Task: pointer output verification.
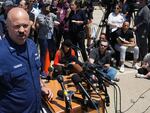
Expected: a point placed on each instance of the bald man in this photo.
(20, 86)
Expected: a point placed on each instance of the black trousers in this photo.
(78, 38)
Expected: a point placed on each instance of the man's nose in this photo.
(21, 29)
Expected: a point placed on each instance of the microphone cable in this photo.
(117, 91)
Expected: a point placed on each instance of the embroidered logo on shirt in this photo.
(17, 66)
(36, 56)
(11, 48)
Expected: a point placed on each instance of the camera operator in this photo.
(102, 57)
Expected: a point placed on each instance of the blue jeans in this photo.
(110, 72)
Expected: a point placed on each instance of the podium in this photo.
(57, 105)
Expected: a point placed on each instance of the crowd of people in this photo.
(61, 28)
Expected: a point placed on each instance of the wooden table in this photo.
(58, 104)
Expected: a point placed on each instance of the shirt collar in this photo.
(13, 46)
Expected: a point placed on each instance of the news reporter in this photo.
(20, 85)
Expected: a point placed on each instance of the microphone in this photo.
(90, 67)
(74, 98)
(77, 81)
(60, 79)
(68, 94)
(102, 77)
(89, 82)
(98, 71)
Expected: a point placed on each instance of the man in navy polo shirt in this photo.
(20, 86)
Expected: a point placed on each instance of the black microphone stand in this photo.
(68, 106)
(66, 98)
(90, 84)
(85, 100)
(101, 79)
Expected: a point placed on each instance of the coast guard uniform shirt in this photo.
(20, 90)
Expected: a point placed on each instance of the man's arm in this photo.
(132, 42)
(46, 91)
(122, 41)
(92, 55)
(91, 60)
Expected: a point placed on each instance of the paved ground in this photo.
(135, 92)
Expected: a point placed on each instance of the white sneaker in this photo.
(139, 75)
(122, 69)
(135, 66)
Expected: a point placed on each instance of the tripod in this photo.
(108, 9)
(103, 22)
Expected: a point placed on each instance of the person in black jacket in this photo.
(77, 20)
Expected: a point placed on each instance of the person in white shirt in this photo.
(116, 19)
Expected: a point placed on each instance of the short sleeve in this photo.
(93, 54)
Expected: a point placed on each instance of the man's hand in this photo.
(134, 28)
(47, 92)
(106, 66)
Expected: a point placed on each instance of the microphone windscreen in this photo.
(60, 78)
(76, 78)
(60, 94)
